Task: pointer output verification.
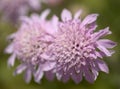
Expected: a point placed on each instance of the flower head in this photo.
(13, 9)
(29, 43)
(77, 48)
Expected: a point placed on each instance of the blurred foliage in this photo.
(109, 11)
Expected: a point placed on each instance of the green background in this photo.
(109, 11)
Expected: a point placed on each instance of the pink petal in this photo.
(11, 60)
(46, 57)
(38, 75)
(98, 54)
(20, 69)
(106, 43)
(77, 14)
(48, 66)
(89, 76)
(11, 36)
(47, 39)
(95, 73)
(101, 33)
(25, 19)
(55, 19)
(102, 65)
(59, 76)
(66, 15)
(44, 14)
(35, 4)
(28, 75)
(77, 77)
(34, 17)
(103, 49)
(89, 19)
(93, 56)
(9, 49)
(49, 75)
(65, 77)
(92, 28)
(55, 22)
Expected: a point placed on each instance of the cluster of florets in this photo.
(13, 9)
(67, 49)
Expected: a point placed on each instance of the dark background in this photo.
(109, 11)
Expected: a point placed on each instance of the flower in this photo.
(29, 43)
(78, 49)
(13, 9)
(70, 48)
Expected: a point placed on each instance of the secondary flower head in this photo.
(28, 46)
(77, 48)
(13, 9)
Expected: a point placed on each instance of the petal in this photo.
(65, 77)
(25, 20)
(11, 60)
(101, 33)
(47, 39)
(38, 75)
(77, 77)
(28, 75)
(77, 14)
(104, 50)
(66, 15)
(49, 75)
(44, 14)
(102, 66)
(35, 4)
(59, 74)
(48, 66)
(11, 36)
(89, 19)
(99, 54)
(94, 66)
(89, 76)
(46, 57)
(20, 69)
(106, 43)
(92, 27)
(95, 73)
(93, 56)
(34, 17)
(9, 49)
(55, 21)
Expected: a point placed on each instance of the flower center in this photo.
(28, 45)
(72, 47)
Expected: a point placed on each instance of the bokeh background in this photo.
(109, 11)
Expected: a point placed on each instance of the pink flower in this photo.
(70, 48)
(29, 43)
(13, 9)
(77, 48)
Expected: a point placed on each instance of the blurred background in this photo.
(109, 11)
